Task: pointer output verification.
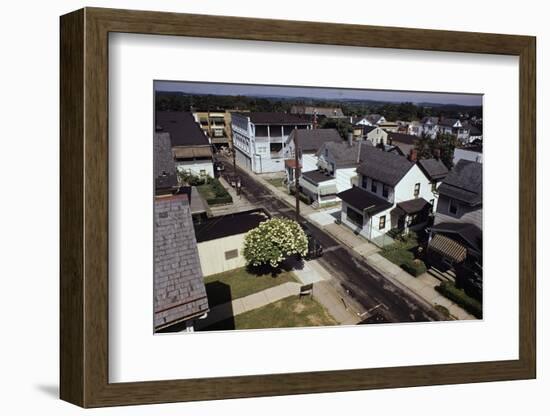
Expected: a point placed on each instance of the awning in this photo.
(413, 206)
(191, 152)
(448, 248)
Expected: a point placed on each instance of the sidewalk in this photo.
(422, 286)
(240, 203)
(256, 300)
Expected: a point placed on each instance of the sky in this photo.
(320, 93)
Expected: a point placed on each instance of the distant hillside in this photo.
(179, 101)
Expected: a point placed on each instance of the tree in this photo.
(441, 147)
(273, 241)
(343, 126)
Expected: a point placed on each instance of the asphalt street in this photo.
(381, 301)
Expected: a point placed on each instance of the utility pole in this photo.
(297, 174)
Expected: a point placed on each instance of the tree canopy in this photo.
(273, 241)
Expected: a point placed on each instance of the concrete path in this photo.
(328, 296)
(256, 300)
(324, 217)
(240, 203)
(358, 244)
(310, 273)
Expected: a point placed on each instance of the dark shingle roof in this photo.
(312, 140)
(384, 167)
(433, 168)
(277, 118)
(464, 182)
(183, 129)
(343, 154)
(402, 138)
(316, 177)
(363, 200)
(179, 293)
(374, 118)
(448, 122)
(163, 163)
(232, 224)
(368, 129)
(412, 206)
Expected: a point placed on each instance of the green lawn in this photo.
(214, 193)
(238, 283)
(402, 252)
(277, 182)
(289, 312)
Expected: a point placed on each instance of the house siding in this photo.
(466, 214)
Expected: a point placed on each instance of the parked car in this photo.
(314, 247)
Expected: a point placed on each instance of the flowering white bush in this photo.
(273, 241)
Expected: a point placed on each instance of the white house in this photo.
(309, 142)
(391, 193)
(370, 120)
(429, 126)
(453, 126)
(336, 171)
(259, 138)
(376, 135)
(191, 147)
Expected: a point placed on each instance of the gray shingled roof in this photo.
(316, 177)
(469, 232)
(464, 182)
(384, 167)
(433, 168)
(183, 129)
(448, 122)
(343, 154)
(179, 291)
(163, 163)
(277, 118)
(373, 118)
(363, 200)
(311, 140)
(402, 138)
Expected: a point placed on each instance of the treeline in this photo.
(178, 101)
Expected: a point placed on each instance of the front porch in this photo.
(319, 187)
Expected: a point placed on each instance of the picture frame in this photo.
(84, 219)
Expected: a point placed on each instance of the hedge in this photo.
(414, 267)
(458, 296)
(218, 200)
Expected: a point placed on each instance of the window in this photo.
(382, 222)
(434, 186)
(354, 216)
(231, 254)
(385, 191)
(416, 190)
(453, 207)
(373, 186)
(326, 152)
(364, 182)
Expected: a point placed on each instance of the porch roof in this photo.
(447, 247)
(317, 177)
(363, 200)
(412, 206)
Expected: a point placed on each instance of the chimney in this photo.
(350, 139)
(412, 155)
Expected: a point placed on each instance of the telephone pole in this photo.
(297, 174)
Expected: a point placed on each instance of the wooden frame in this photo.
(84, 207)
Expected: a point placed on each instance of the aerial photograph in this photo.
(297, 206)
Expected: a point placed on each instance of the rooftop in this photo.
(468, 232)
(277, 118)
(433, 168)
(464, 182)
(412, 206)
(363, 200)
(163, 163)
(385, 167)
(181, 126)
(179, 291)
(316, 177)
(231, 224)
(311, 140)
(343, 154)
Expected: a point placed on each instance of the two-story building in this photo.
(191, 147)
(259, 138)
(454, 127)
(375, 134)
(336, 170)
(309, 142)
(391, 193)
